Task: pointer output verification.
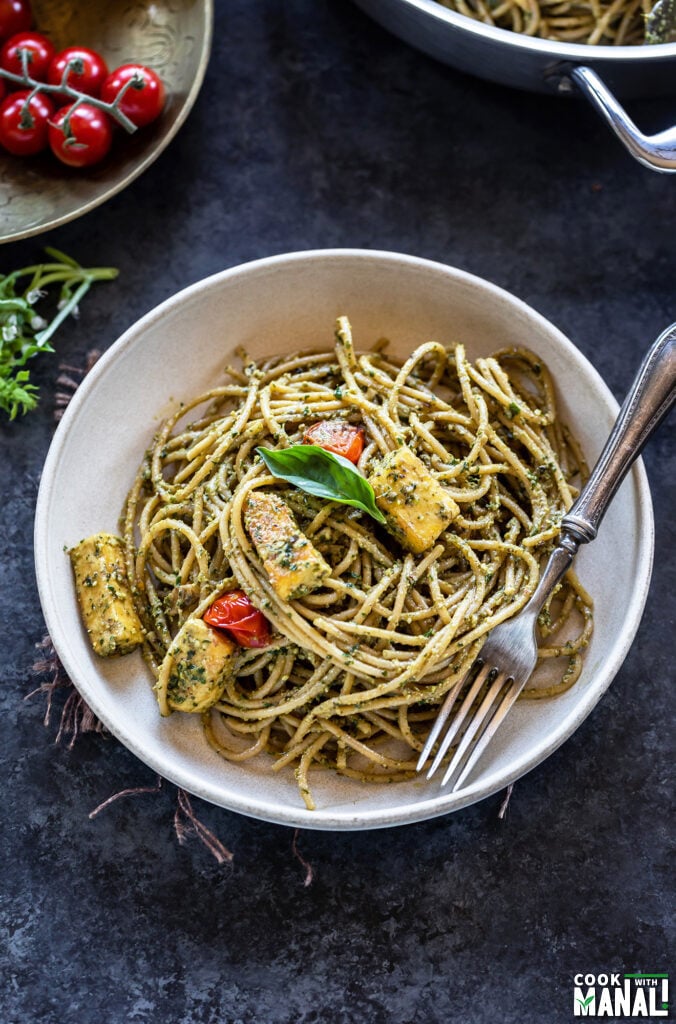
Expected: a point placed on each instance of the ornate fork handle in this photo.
(649, 400)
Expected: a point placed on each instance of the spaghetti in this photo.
(610, 23)
(356, 670)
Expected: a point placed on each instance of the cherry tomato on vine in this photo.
(25, 132)
(89, 79)
(84, 139)
(15, 16)
(235, 613)
(142, 102)
(40, 53)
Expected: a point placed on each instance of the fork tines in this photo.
(483, 697)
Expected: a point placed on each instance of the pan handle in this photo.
(658, 152)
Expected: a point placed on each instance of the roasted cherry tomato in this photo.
(24, 130)
(143, 100)
(335, 436)
(40, 53)
(85, 141)
(88, 69)
(15, 16)
(235, 613)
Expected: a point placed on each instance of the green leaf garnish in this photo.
(314, 470)
(660, 25)
(24, 333)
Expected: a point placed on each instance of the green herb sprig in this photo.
(24, 333)
(660, 26)
(314, 470)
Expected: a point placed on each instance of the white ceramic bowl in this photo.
(281, 304)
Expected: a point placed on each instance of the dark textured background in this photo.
(314, 129)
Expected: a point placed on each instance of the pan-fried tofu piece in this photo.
(293, 564)
(104, 595)
(202, 659)
(416, 506)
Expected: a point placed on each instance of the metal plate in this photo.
(171, 36)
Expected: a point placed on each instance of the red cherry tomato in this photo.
(40, 53)
(15, 16)
(25, 130)
(3, 89)
(88, 140)
(143, 100)
(89, 79)
(235, 613)
(338, 437)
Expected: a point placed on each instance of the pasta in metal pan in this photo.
(356, 618)
(610, 23)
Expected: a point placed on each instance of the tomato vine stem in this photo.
(63, 88)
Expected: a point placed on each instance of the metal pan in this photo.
(600, 73)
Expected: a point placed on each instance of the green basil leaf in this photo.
(314, 470)
(660, 26)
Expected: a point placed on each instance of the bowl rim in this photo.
(328, 819)
(149, 158)
(581, 53)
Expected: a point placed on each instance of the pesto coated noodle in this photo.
(595, 22)
(358, 666)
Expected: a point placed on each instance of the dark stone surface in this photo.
(314, 129)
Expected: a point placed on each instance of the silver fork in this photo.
(509, 655)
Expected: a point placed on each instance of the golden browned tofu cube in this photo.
(104, 595)
(293, 564)
(202, 660)
(416, 506)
